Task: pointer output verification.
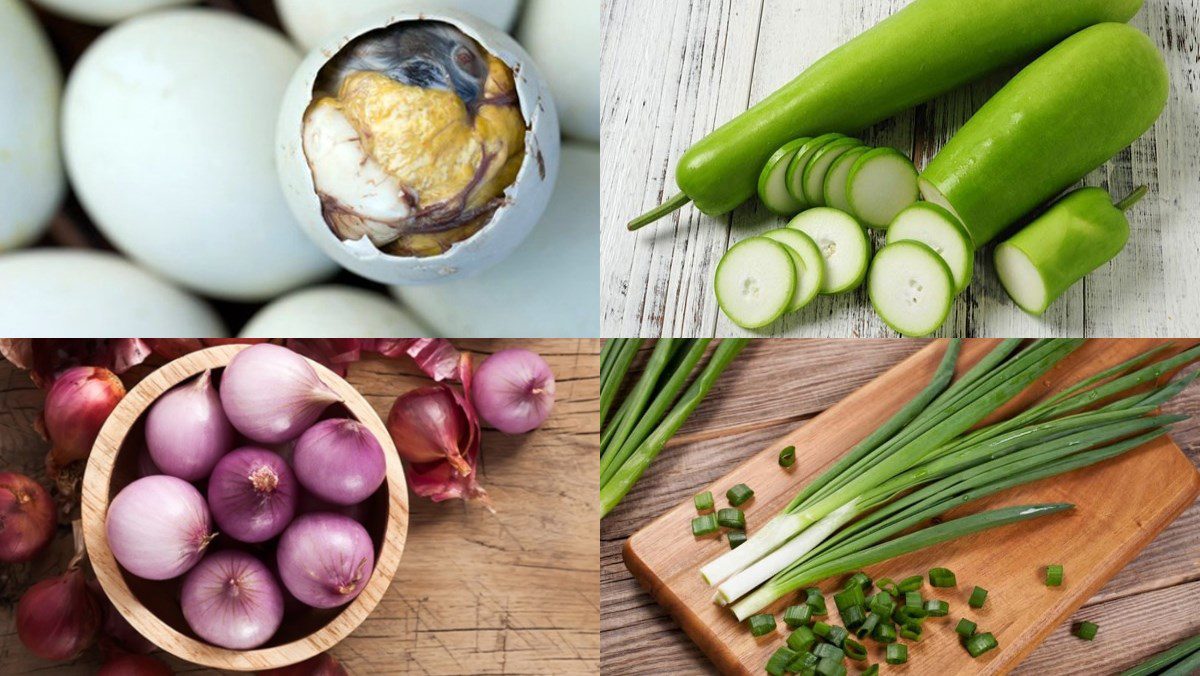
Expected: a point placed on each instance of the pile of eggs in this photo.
(182, 137)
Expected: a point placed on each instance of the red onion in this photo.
(231, 600)
(27, 518)
(325, 559)
(272, 394)
(321, 665)
(58, 618)
(158, 527)
(339, 461)
(118, 636)
(514, 391)
(252, 494)
(134, 665)
(186, 430)
(76, 407)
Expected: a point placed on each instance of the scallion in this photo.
(883, 604)
(739, 494)
(911, 631)
(780, 659)
(761, 625)
(787, 457)
(913, 599)
(829, 650)
(801, 639)
(704, 501)
(853, 617)
(978, 596)
(705, 524)
(731, 517)
(855, 650)
(851, 596)
(1086, 630)
(804, 663)
(822, 629)
(1054, 575)
(736, 538)
(965, 628)
(884, 632)
(872, 670)
(896, 653)
(797, 616)
(980, 644)
(937, 608)
(861, 579)
(815, 600)
(837, 635)
(868, 626)
(910, 584)
(830, 667)
(942, 577)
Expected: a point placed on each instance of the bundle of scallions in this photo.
(653, 410)
(932, 457)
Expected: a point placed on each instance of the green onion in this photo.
(780, 659)
(864, 630)
(797, 616)
(736, 538)
(978, 596)
(801, 639)
(739, 494)
(896, 653)
(635, 403)
(847, 598)
(887, 584)
(911, 631)
(704, 501)
(731, 517)
(830, 667)
(822, 629)
(883, 604)
(837, 635)
(815, 600)
(787, 457)
(861, 580)
(704, 525)
(913, 599)
(980, 644)
(942, 577)
(937, 608)
(855, 650)
(872, 670)
(1086, 630)
(910, 584)
(761, 625)
(853, 617)
(616, 374)
(829, 650)
(965, 628)
(1054, 575)
(1173, 656)
(804, 663)
(884, 633)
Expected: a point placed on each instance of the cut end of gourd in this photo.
(930, 193)
(755, 282)
(1021, 279)
(882, 183)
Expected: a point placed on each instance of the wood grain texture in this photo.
(639, 637)
(674, 70)
(509, 593)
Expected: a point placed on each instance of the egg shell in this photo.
(31, 175)
(549, 288)
(105, 12)
(563, 36)
(70, 293)
(168, 126)
(310, 22)
(526, 198)
(333, 312)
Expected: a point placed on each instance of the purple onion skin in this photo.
(513, 391)
(272, 394)
(187, 431)
(252, 494)
(339, 461)
(158, 527)
(231, 600)
(325, 559)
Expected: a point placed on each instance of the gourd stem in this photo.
(1133, 198)
(658, 212)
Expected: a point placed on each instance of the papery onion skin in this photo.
(232, 600)
(77, 405)
(428, 425)
(340, 461)
(134, 665)
(325, 559)
(187, 431)
(27, 518)
(58, 618)
(158, 527)
(272, 394)
(514, 391)
(321, 665)
(252, 494)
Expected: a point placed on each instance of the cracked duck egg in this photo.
(419, 148)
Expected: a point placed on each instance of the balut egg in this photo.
(168, 126)
(309, 22)
(31, 174)
(418, 148)
(333, 312)
(86, 294)
(105, 12)
(563, 36)
(549, 288)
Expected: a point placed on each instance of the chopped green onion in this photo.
(965, 628)
(887, 584)
(1054, 575)
(829, 650)
(884, 633)
(872, 670)
(913, 599)
(909, 584)
(797, 616)
(804, 663)
(801, 639)
(837, 635)
(861, 579)
(739, 494)
(868, 626)
(831, 667)
(1086, 630)
(849, 597)
(978, 596)
(937, 608)
(906, 614)
(732, 517)
(704, 501)
(911, 631)
(822, 629)
(780, 659)
(980, 644)
(942, 577)
(853, 617)
(883, 604)
(736, 537)
(761, 625)
(816, 600)
(896, 653)
(704, 525)
(855, 650)
(787, 457)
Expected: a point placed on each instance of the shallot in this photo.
(230, 599)
(514, 391)
(186, 430)
(325, 559)
(26, 518)
(339, 461)
(158, 527)
(58, 618)
(252, 494)
(77, 405)
(272, 394)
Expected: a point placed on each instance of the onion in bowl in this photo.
(325, 559)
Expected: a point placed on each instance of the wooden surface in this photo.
(509, 593)
(744, 416)
(674, 70)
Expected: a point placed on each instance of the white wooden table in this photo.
(674, 70)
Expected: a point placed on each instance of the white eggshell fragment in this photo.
(525, 199)
(105, 12)
(86, 294)
(550, 288)
(168, 132)
(31, 174)
(310, 22)
(563, 37)
(333, 312)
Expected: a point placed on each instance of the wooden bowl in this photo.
(153, 607)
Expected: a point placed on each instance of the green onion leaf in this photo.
(822, 629)
(965, 628)
(937, 608)
(736, 537)
(831, 667)
(837, 635)
(739, 494)
(883, 604)
(978, 596)
(816, 600)
(855, 650)
(787, 457)
(1086, 630)
(801, 639)
(704, 525)
(704, 501)
(829, 650)
(804, 663)
(731, 517)
(897, 653)
(861, 579)
(761, 625)
(872, 670)
(911, 631)
(980, 644)
(797, 616)
(850, 597)
(909, 584)
(1054, 575)
(780, 659)
(884, 633)
(942, 577)
(853, 617)
(868, 626)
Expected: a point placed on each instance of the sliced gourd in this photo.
(938, 229)
(836, 177)
(772, 182)
(818, 167)
(882, 183)
(755, 282)
(810, 265)
(911, 288)
(795, 170)
(843, 244)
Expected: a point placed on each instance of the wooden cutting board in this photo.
(1121, 504)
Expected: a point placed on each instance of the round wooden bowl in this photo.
(153, 607)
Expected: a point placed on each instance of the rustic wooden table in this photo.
(475, 593)
(776, 386)
(674, 70)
